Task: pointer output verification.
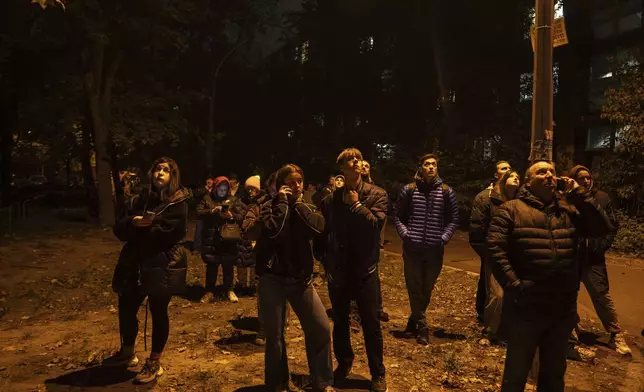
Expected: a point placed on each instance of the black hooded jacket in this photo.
(593, 250)
(152, 261)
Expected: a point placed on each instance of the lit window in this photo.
(606, 75)
(290, 134)
(599, 137)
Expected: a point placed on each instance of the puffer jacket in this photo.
(483, 207)
(213, 245)
(592, 251)
(152, 261)
(350, 245)
(246, 256)
(426, 214)
(284, 245)
(533, 249)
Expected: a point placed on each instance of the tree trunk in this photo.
(6, 141)
(88, 177)
(99, 81)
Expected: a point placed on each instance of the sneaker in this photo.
(618, 343)
(423, 336)
(209, 297)
(379, 384)
(150, 372)
(232, 297)
(120, 360)
(342, 372)
(411, 328)
(384, 316)
(577, 353)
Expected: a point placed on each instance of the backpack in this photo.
(410, 195)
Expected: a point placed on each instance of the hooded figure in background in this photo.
(221, 214)
(592, 258)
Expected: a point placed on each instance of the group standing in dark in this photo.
(536, 241)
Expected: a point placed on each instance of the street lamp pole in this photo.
(542, 97)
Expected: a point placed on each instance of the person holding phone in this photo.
(285, 266)
(532, 246)
(152, 263)
(218, 209)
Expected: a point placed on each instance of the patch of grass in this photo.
(452, 364)
(207, 380)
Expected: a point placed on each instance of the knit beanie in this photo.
(253, 181)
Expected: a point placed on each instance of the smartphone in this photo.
(225, 208)
(562, 184)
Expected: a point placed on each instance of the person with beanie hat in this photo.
(217, 209)
(592, 257)
(246, 255)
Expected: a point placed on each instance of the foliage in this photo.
(623, 170)
(630, 237)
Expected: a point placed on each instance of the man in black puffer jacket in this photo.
(592, 256)
(532, 243)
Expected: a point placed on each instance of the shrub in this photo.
(630, 237)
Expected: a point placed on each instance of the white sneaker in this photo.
(232, 297)
(577, 353)
(618, 342)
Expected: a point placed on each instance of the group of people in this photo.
(537, 241)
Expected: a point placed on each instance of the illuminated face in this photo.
(252, 191)
(222, 190)
(366, 168)
(542, 178)
(339, 182)
(584, 179)
(351, 167)
(513, 181)
(295, 182)
(501, 169)
(429, 169)
(161, 175)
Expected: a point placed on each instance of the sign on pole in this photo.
(559, 35)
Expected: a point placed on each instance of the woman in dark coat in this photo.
(152, 263)
(216, 209)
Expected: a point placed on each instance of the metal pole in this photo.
(542, 97)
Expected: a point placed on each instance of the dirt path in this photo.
(58, 321)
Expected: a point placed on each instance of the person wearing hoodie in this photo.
(426, 217)
(246, 255)
(220, 210)
(285, 266)
(592, 254)
(152, 263)
(480, 208)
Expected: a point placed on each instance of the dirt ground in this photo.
(58, 320)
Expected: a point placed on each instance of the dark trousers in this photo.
(595, 278)
(481, 292)
(380, 306)
(274, 291)
(227, 263)
(129, 304)
(524, 335)
(365, 292)
(197, 242)
(422, 267)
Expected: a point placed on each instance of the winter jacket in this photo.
(483, 207)
(213, 245)
(152, 261)
(246, 256)
(284, 246)
(533, 249)
(592, 251)
(426, 214)
(350, 245)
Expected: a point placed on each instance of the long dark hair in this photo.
(175, 178)
(501, 188)
(284, 172)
